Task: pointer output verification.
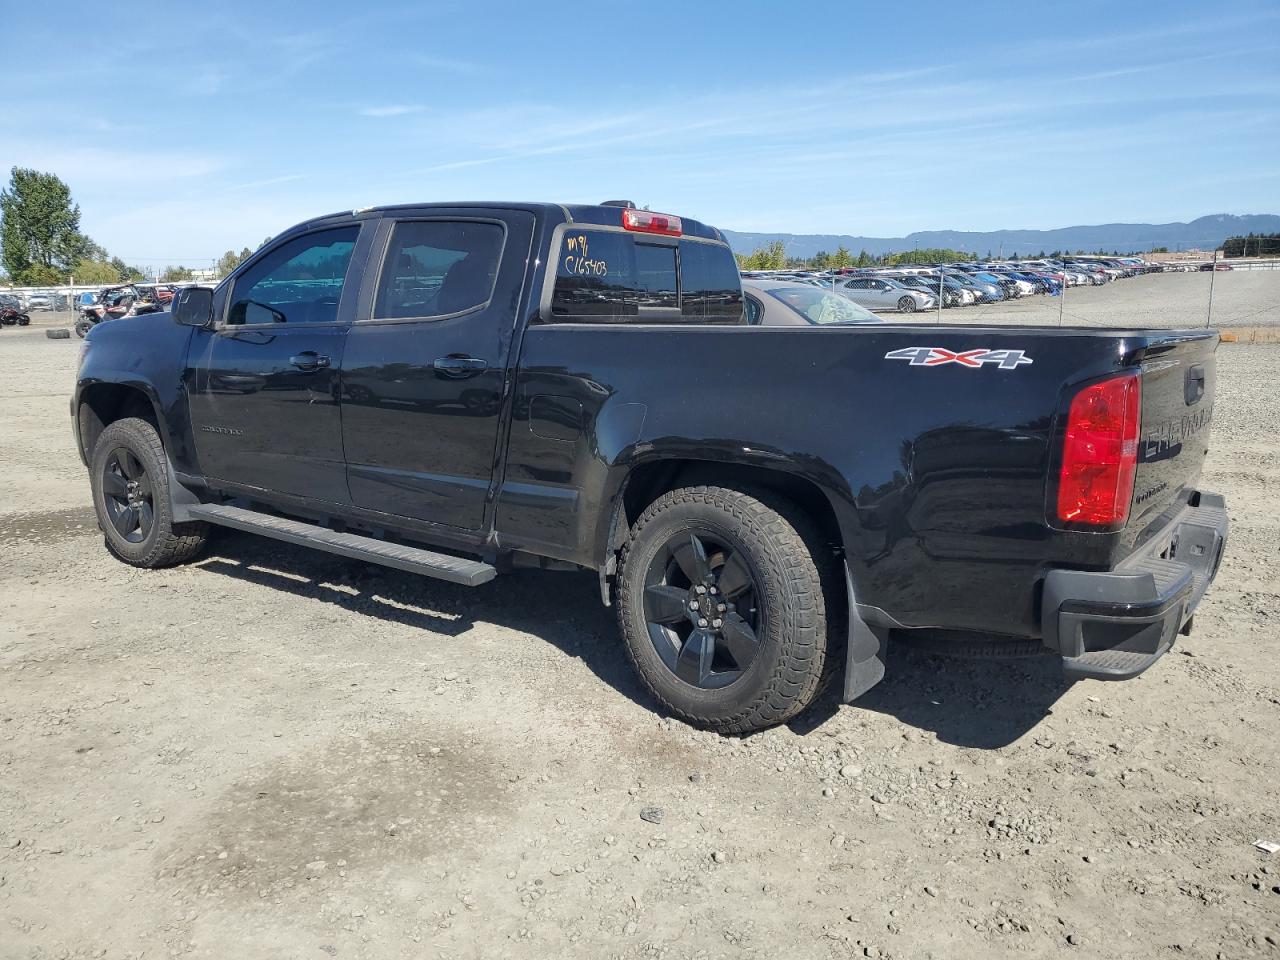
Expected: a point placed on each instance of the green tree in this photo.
(230, 260)
(124, 272)
(929, 255)
(821, 260)
(842, 257)
(864, 259)
(772, 256)
(38, 275)
(176, 274)
(94, 271)
(41, 226)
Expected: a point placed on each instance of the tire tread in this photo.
(174, 543)
(801, 671)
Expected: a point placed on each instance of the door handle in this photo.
(458, 367)
(309, 360)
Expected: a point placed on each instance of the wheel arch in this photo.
(100, 404)
(645, 482)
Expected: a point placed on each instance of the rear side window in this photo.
(435, 268)
(605, 276)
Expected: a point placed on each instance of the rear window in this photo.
(606, 276)
(712, 289)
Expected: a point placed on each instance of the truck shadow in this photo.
(983, 704)
(562, 609)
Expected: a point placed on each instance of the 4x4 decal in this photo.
(939, 356)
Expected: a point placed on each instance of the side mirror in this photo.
(193, 307)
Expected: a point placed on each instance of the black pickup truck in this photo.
(460, 389)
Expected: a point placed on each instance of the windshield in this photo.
(823, 306)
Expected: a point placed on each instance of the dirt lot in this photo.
(276, 753)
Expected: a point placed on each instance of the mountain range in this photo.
(1203, 233)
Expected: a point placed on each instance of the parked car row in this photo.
(31, 301)
(914, 288)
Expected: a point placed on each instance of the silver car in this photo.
(881, 293)
(787, 303)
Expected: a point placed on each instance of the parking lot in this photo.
(279, 753)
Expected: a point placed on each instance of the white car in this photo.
(881, 293)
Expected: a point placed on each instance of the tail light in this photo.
(1100, 453)
(644, 221)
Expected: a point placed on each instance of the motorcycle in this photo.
(12, 317)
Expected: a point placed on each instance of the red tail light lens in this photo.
(645, 221)
(1100, 453)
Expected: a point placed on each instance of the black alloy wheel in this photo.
(128, 495)
(702, 609)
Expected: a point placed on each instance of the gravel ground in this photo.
(278, 753)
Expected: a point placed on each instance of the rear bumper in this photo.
(1114, 625)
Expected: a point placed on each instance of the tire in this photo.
(768, 543)
(82, 328)
(907, 305)
(58, 333)
(138, 526)
(24, 320)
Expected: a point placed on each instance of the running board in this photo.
(469, 573)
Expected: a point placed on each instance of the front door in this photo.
(264, 381)
(424, 370)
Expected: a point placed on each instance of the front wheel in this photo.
(130, 479)
(23, 320)
(83, 327)
(907, 305)
(722, 608)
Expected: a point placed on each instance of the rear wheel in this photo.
(130, 478)
(907, 305)
(722, 608)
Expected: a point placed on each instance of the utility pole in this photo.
(941, 276)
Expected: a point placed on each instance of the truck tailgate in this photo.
(1177, 407)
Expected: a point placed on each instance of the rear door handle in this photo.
(458, 367)
(309, 360)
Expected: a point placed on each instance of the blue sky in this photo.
(185, 133)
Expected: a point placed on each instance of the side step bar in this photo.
(469, 573)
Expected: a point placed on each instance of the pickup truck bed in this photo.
(788, 491)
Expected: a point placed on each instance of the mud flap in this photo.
(867, 650)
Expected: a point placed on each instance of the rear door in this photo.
(424, 369)
(263, 382)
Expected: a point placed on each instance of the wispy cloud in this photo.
(272, 181)
(394, 110)
(103, 165)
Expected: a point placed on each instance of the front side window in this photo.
(437, 268)
(821, 307)
(299, 281)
